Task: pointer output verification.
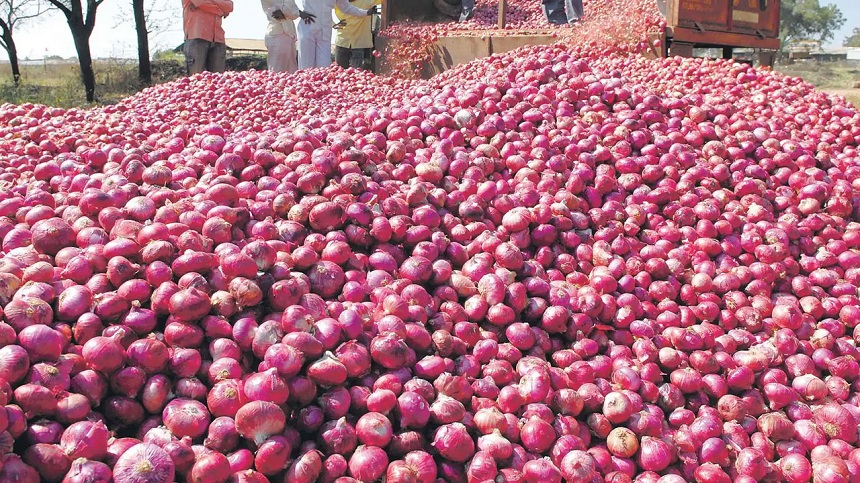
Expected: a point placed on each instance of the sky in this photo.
(114, 32)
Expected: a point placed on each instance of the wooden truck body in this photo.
(726, 24)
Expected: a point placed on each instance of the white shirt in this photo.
(285, 26)
(323, 11)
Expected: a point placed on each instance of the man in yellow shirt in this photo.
(354, 35)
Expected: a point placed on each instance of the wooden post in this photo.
(383, 21)
(766, 58)
(503, 12)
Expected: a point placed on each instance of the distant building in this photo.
(814, 50)
(245, 47)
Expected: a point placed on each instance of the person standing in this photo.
(281, 34)
(204, 46)
(315, 37)
(462, 10)
(561, 12)
(467, 10)
(354, 36)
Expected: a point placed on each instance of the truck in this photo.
(720, 24)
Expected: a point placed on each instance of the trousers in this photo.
(562, 11)
(345, 57)
(314, 45)
(203, 55)
(282, 55)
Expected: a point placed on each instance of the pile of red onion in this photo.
(552, 265)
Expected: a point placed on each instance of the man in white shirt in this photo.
(315, 37)
(281, 33)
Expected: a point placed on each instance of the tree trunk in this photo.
(144, 65)
(12, 50)
(85, 59)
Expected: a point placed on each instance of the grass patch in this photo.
(824, 75)
(58, 84)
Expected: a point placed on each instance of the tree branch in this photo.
(90, 21)
(62, 7)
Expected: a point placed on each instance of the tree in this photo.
(853, 40)
(808, 20)
(81, 24)
(12, 13)
(144, 64)
(151, 18)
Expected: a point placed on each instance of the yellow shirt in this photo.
(356, 34)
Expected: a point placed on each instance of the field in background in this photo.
(833, 77)
(58, 84)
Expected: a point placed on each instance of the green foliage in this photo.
(168, 55)
(246, 62)
(824, 75)
(166, 70)
(853, 40)
(808, 20)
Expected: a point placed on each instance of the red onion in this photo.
(795, 468)
(189, 305)
(453, 442)
(104, 354)
(14, 469)
(328, 371)
(85, 439)
(186, 417)
(14, 363)
(622, 443)
(836, 422)
(306, 468)
(338, 437)
(368, 463)
(211, 467)
(35, 400)
(413, 410)
(49, 460)
(541, 470)
(373, 429)
(830, 469)
(272, 455)
(537, 435)
(654, 454)
(258, 420)
(85, 471)
(578, 466)
(266, 386)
